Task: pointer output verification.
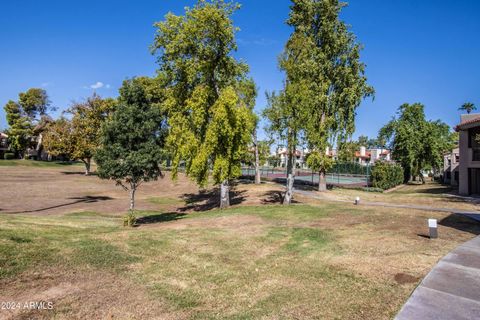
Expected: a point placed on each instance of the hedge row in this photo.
(386, 175)
(349, 168)
(9, 156)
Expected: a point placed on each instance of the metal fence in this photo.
(341, 174)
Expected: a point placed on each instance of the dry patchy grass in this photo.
(314, 259)
(429, 194)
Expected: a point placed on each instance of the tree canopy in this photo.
(208, 96)
(23, 116)
(35, 102)
(416, 143)
(468, 107)
(325, 80)
(132, 140)
(78, 138)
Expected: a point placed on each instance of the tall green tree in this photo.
(35, 102)
(416, 143)
(325, 78)
(285, 124)
(132, 140)
(438, 139)
(24, 115)
(467, 107)
(369, 143)
(19, 128)
(363, 141)
(347, 149)
(59, 139)
(209, 111)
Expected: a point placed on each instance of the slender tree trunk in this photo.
(290, 177)
(322, 181)
(133, 188)
(87, 163)
(257, 160)
(39, 146)
(224, 195)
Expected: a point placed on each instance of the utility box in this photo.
(432, 228)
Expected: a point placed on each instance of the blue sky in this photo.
(416, 51)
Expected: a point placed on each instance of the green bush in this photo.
(130, 220)
(9, 156)
(349, 168)
(386, 175)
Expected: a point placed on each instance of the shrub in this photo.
(130, 220)
(386, 175)
(9, 156)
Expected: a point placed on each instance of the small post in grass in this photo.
(357, 201)
(432, 228)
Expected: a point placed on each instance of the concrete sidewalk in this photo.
(451, 290)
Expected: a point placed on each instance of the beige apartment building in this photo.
(451, 161)
(469, 154)
(3, 144)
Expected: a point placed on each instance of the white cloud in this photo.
(97, 85)
(46, 84)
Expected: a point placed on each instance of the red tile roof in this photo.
(461, 125)
(366, 156)
(297, 153)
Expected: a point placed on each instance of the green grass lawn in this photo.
(241, 263)
(40, 164)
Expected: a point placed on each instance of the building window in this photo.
(457, 158)
(476, 154)
(456, 176)
(472, 135)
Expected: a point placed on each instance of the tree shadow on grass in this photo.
(462, 223)
(209, 199)
(454, 199)
(84, 199)
(423, 235)
(78, 173)
(275, 197)
(435, 190)
(161, 217)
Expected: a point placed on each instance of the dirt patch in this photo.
(80, 295)
(403, 278)
(43, 191)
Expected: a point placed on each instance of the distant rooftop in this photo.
(468, 117)
(466, 120)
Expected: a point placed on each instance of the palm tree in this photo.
(468, 107)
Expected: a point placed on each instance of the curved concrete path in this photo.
(451, 290)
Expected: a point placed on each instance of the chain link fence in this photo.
(350, 174)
